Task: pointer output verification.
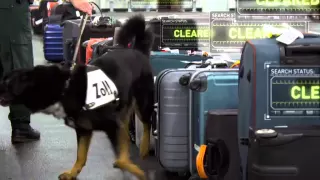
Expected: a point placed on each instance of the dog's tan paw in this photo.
(144, 150)
(144, 153)
(67, 176)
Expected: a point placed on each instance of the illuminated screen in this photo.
(294, 91)
(229, 34)
(282, 18)
(189, 33)
(158, 3)
(284, 7)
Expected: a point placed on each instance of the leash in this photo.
(82, 26)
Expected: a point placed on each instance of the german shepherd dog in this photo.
(62, 92)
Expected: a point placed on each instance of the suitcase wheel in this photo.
(195, 84)
(199, 84)
(184, 79)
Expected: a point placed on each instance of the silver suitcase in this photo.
(172, 127)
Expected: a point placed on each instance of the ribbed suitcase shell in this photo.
(173, 111)
(52, 43)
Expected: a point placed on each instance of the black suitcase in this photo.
(71, 32)
(35, 18)
(222, 155)
(44, 11)
(284, 154)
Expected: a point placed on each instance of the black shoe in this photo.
(21, 135)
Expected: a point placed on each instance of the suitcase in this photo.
(278, 98)
(71, 32)
(35, 17)
(52, 43)
(175, 125)
(45, 8)
(221, 151)
(211, 91)
(166, 60)
(139, 127)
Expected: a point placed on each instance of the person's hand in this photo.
(82, 5)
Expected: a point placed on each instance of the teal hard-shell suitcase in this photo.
(166, 60)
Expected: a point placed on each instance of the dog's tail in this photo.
(134, 31)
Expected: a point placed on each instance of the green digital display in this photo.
(185, 33)
(230, 34)
(275, 7)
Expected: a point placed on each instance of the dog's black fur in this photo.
(52, 90)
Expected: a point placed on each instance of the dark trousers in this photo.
(15, 56)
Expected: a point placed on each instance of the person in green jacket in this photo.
(16, 52)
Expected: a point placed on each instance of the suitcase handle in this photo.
(299, 55)
(99, 29)
(218, 159)
(293, 50)
(155, 121)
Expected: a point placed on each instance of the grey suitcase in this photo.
(172, 135)
(71, 32)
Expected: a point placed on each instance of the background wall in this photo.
(206, 5)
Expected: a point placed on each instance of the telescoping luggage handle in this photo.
(193, 78)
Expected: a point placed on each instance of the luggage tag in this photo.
(101, 90)
(174, 51)
(289, 36)
(38, 22)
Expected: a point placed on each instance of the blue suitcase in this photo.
(214, 89)
(279, 109)
(166, 60)
(177, 130)
(53, 43)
